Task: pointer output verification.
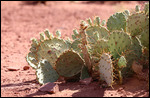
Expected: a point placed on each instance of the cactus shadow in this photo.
(91, 90)
(32, 2)
(102, 2)
(36, 93)
(20, 84)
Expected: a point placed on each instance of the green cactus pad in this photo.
(68, 42)
(122, 62)
(136, 23)
(58, 34)
(103, 22)
(102, 31)
(118, 42)
(97, 21)
(137, 8)
(84, 73)
(51, 49)
(116, 22)
(31, 59)
(75, 44)
(33, 49)
(48, 34)
(134, 53)
(89, 21)
(126, 13)
(45, 72)
(35, 43)
(144, 38)
(96, 49)
(76, 33)
(106, 69)
(69, 64)
(42, 36)
(146, 8)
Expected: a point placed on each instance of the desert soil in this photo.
(20, 21)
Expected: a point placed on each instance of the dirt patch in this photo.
(20, 21)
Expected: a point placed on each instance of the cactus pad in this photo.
(122, 62)
(146, 8)
(58, 34)
(96, 49)
(84, 73)
(144, 38)
(118, 42)
(31, 59)
(102, 31)
(136, 23)
(134, 54)
(51, 49)
(45, 72)
(106, 69)
(75, 44)
(116, 22)
(69, 64)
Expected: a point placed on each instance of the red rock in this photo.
(50, 88)
(26, 67)
(12, 69)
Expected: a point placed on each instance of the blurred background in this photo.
(36, 16)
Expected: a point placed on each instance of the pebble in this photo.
(26, 67)
(50, 88)
(12, 69)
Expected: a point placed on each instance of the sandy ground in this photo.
(20, 21)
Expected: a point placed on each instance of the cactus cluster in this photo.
(96, 51)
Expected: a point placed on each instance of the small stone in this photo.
(12, 69)
(50, 88)
(86, 81)
(26, 67)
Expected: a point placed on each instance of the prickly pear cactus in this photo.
(69, 64)
(45, 72)
(106, 69)
(125, 37)
(118, 42)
